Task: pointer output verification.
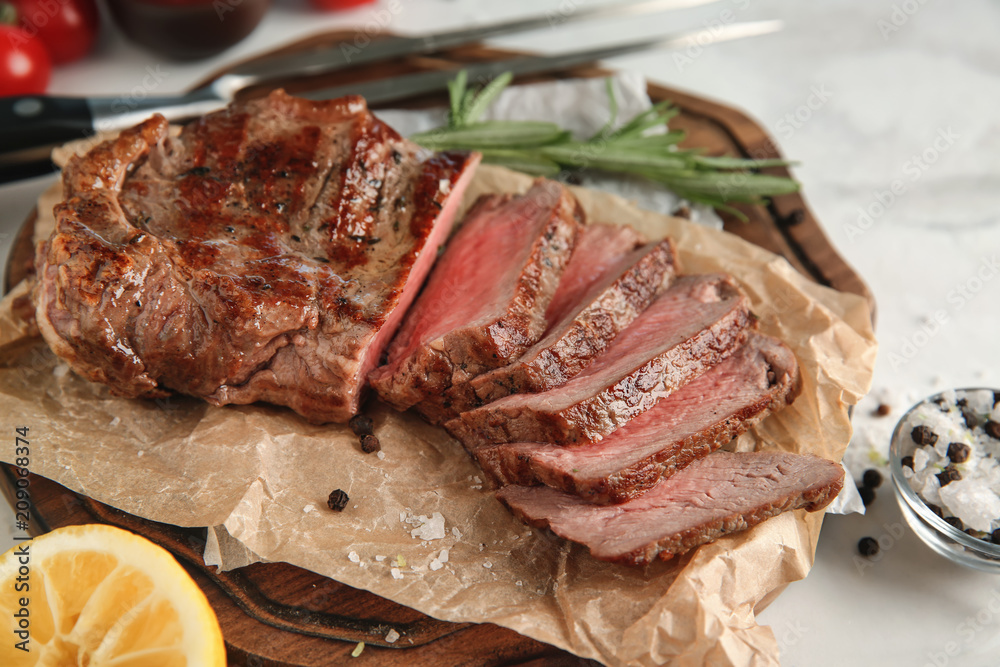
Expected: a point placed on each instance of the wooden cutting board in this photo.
(275, 614)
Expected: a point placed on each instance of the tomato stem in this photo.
(8, 13)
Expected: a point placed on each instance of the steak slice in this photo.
(267, 253)
(689, 328)
(687, 425)
(609, 282)
(720, 494)
(485, 301)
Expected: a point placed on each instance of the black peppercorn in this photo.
(867, 495)
(361, 425)
(949, 475)
(337, 500)
(369, 444)
(954, 522)
(867, 547)
(872, 478)
(907, 461)
(958, 452)
(883, 410)
(992, 429)
(937, 510)
(923, 435)
(995, 537)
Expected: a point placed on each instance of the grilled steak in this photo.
(265, 254)
(720, 494)
(485, 302)
(687, 425)
(608, 283)
(692, 326)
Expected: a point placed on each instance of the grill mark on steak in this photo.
(190, 263)
(486, 300)
(695, 420)
(689, 328)
(611, 281)
(720, 494)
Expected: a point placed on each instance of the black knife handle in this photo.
(36, 120)
(32, 125)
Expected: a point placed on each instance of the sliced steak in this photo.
(687, 425)
(608, 283)
(720, 494)
(267, 253)
(485, 301)
(692, 326)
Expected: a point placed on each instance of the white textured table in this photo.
(891, 106)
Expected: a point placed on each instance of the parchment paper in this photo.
(260, 476)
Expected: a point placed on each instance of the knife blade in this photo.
(31, 126)
(410, 85)
(345, 55)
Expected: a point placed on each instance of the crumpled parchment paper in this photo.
(260, 476)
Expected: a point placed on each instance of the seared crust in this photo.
(589, 334)
(672, 520)
(266, 253)
(602, 412)
(518, 463)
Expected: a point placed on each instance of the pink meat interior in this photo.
(692, 303)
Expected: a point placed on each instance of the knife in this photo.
(410, 85)
(31, 126)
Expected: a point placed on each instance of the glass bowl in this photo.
(939, 535)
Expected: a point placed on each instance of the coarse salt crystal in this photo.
(972, 502)
(380, 558)
(444, 185)
(487, 565)
(60, 370)
(391, 636)
(436, 565)
(354, 557)
(430, 528)
(380, 455)
(456, 532)
(396, 574)
(308, 508)
(140, 453)
(116, 421)
(443, 556)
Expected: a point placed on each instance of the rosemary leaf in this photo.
(529, 162)
(543, 148)
(612, 157)
(486, 97)
(492, 134)
(726, 162)
(609, 86)
(456, 94)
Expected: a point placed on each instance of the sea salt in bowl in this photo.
(945, 465)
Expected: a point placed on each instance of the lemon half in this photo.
(99, 596)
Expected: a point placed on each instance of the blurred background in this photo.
(890, 109)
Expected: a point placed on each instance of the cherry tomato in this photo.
(67, 28)
(338, 4)
(25, 66)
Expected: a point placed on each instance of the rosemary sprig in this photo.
(545, 149)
